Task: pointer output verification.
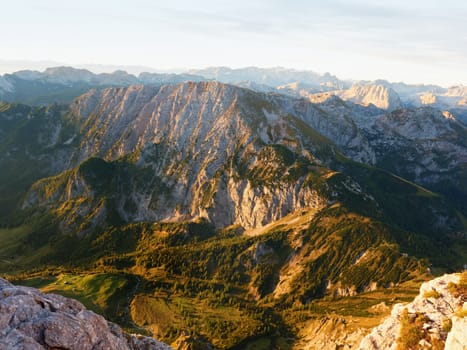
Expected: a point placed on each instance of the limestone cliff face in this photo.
(231, 155)
(378, 95)
(186, 151)
(424, 145)
(365, 94)
(32, 320)
(199, 116)
(446, 99)
(441, 304)
(457, 337)
(190, 119)
(417, 138)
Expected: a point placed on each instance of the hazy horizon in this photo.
(421, 42)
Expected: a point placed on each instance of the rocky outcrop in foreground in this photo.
(33, 320)
(435, 319)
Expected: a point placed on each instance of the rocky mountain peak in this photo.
(118, 121)
(459, 90)
(219, 151)
(377, 95)
(435, 317)
(67, 75)
(30, 319)
(420, 123)
(365, 94)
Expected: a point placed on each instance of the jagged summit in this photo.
(215, 149)
(378, 95)
(185, 115)
(190, 115)
(422, 123)
(365, 94)
(202, 150)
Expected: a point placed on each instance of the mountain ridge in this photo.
(62, 84)
(183, 123)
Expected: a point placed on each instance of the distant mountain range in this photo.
(62, 84)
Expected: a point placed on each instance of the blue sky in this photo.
(414, 41)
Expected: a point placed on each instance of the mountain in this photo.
(35, 142)
(298, 89)
(105, 68)
(64, 75)
(167, 78)
(173, 132)
(306, 84)
(423, 145)
(271, 77)
(365, 95)
(33, 320)
(204, 151)
(63, 84)
(5, 86)
(208, 149)
(450, 99)
(434, 319)
(240, 217)
(434, 96)
(378, 95)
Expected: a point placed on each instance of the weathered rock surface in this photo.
(31, 320)
(365, 94)
(204, 146)
(438, 305)
(378, 95)
(457, 337)
(230, 155)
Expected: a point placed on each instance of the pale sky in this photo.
(415, 41)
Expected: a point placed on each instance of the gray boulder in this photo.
(32, 320)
